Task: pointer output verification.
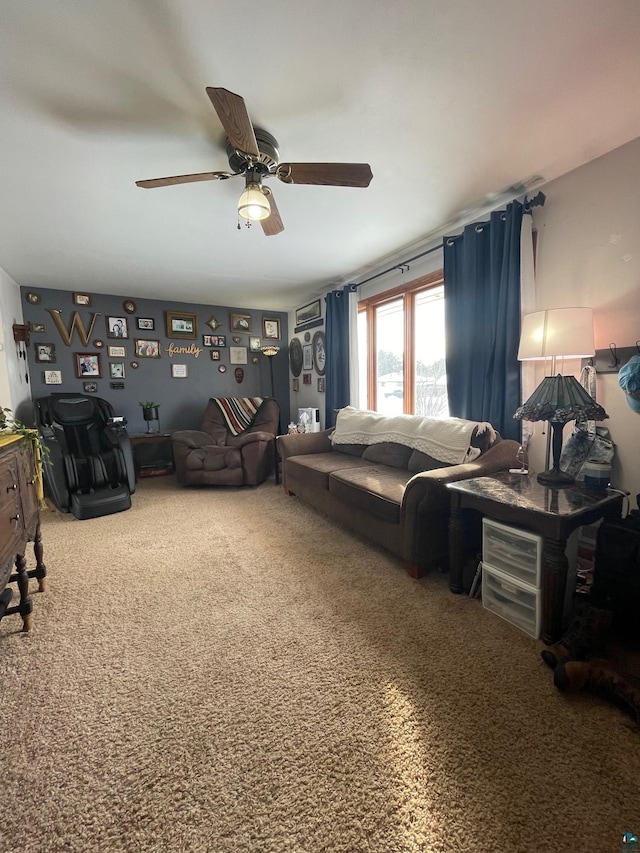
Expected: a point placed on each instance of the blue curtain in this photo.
(482, 320)
(337, 389)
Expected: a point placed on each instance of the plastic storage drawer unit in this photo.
(517, 602)
(512, 551)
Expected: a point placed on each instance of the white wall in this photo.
(589, 255)
(14, 390)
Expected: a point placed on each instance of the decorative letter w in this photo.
(76, 323)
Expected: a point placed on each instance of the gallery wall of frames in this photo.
(130, 351)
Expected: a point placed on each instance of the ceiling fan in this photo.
(253, 152)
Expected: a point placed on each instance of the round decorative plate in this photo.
(33, 298)
(295, 356)
(135, 364)
(129, 306)
(98, 344)
(319, 349)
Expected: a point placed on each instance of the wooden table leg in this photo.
(25, 606)
(40, 571)
(555, 568)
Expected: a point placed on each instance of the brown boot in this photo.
(585, 637)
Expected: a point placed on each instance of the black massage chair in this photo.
(89, 469)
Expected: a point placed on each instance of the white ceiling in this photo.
(450, 101)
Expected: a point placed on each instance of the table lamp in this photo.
(559, 399)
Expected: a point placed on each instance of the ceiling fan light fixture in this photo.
(253, 203)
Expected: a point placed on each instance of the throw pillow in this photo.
(388, 453)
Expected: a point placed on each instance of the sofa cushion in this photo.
(378, 490)
(388, 453)
(316, 467)
(423, 462)
(350, 449)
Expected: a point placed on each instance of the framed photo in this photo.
(179, 371)
(319, 347)
(309, 312)
(53, 377)
(89, 387)
(238, 355)
(271, 328)
(37, 327)
(117, 327)
(254, 344)
(117, 352)
(147, 348)
(306, 379)
(240, 323)
(307, 357)
(212, 323)
(215, 355)
(45, 353)
(181, 325)
(218, 340)
(146, 324)
(295, 383)
(88, 364)
(81, 299)
(321, 384)
(116, 370)
(209, 340)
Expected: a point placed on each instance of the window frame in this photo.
(408, 293)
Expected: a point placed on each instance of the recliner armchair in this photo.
(234, 446)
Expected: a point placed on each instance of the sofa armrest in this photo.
(306, 442)
(191, 438)
(426, 501)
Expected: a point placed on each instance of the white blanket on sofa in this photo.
(446, 439)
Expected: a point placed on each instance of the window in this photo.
(402, 349)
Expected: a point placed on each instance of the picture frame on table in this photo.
(88, 365)
(182, 325)
(117, 327)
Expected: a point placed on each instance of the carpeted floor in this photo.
(225, 670)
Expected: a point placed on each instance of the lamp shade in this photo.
(560, 399)
(557, 332)
(253, 203)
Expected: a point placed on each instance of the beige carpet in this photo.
(225, 670)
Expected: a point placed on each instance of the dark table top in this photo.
(524, 492)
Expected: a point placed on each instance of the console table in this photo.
(152, 454)
(553, 513)
(19, 524)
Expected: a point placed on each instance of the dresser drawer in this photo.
(514, 601)
(514, 552)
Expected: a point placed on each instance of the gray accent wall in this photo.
(182, 400)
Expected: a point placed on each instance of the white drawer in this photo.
(512, 551)
(514, 601)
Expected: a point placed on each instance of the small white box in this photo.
(512, 551)
(310, 417)
(517, 602)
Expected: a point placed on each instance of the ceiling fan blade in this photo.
(232, 112)
(185, 179)
(272, 225)
(327, 174)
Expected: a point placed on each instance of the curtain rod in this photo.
(538, 200)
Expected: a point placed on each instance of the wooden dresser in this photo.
(19, 525)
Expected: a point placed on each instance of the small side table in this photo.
(152, 454)
(553, 513)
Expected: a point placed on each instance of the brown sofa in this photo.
(390, 493)
(213, 456)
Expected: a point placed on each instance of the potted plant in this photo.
(150, 414)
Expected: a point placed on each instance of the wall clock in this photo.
(295, 356)
(319, 347)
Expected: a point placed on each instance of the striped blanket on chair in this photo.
(238, 412)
